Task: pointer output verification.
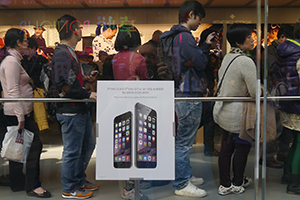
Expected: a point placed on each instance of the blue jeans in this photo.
(79, 144)
(188, 121)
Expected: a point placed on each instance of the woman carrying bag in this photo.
(237, 78)
(15, 83)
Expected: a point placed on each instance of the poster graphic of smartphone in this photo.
(122, 140)
(146, 135)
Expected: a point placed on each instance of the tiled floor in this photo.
(202, 166)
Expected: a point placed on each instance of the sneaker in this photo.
(131, 195)
(230, 190)
(77, 194)
(90, 186)
(238, 189)
(246, 181)
(196, 181)
(225, 190)
(191, 191)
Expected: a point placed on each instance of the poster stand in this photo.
(137, 187)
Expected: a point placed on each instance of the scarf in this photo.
(237, 50)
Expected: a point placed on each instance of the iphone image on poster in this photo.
(122, 140)
(146, 144)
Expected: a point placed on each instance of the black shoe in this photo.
(46, 194)
(293, 188)
(294, 185)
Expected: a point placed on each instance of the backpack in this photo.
(46, 77)
(165, 53)
(188, 82)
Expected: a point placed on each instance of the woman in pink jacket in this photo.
(128, 65)
(15, 84)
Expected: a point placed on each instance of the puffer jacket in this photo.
(285, 71)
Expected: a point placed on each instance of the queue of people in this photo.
(129, 60)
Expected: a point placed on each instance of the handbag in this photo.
(16, 145)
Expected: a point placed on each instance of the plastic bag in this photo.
(16, 146)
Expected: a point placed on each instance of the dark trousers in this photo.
(208, 122)
(281, 145)
(19, 181)
(231, 144)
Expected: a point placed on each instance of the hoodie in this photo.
(187, 54)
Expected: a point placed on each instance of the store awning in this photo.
(74, 4)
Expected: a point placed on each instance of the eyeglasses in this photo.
(25, 41)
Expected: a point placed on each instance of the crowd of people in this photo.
(198, 70)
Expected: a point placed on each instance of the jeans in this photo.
(189, 117)
(79, 143)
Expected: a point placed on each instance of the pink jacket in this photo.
(129, 65)
(15, 84)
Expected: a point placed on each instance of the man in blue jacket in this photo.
(188, 64)
(74, 118)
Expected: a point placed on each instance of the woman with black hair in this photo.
(128, 65)
(207, 119)
(237, 78)
(15, 83)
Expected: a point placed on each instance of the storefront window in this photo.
(121, 136)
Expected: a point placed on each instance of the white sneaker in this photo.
(131, 195)
(246, 181)
(196, 181)
(191, 191)
(238, 189)
(230, 190)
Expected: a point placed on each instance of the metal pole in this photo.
(137, 189)
(226, 99)
(265, 102)
(257, 129)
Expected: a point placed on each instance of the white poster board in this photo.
(135, 130)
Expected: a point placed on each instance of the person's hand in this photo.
(21, 125)
(210, 37)
(164, 72)
(49, 55)
(92, 77)
(207, 92)
(93, 95)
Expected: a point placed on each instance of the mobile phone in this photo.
(122, 140)
(94, 73)
(146, 136)
(217, 34)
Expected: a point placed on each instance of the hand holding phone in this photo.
(217, 34)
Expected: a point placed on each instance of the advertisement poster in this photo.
(135, 130)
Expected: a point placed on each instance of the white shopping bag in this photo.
(16, 146)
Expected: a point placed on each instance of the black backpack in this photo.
(46, 77)
(193, 84)
(165, 53)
